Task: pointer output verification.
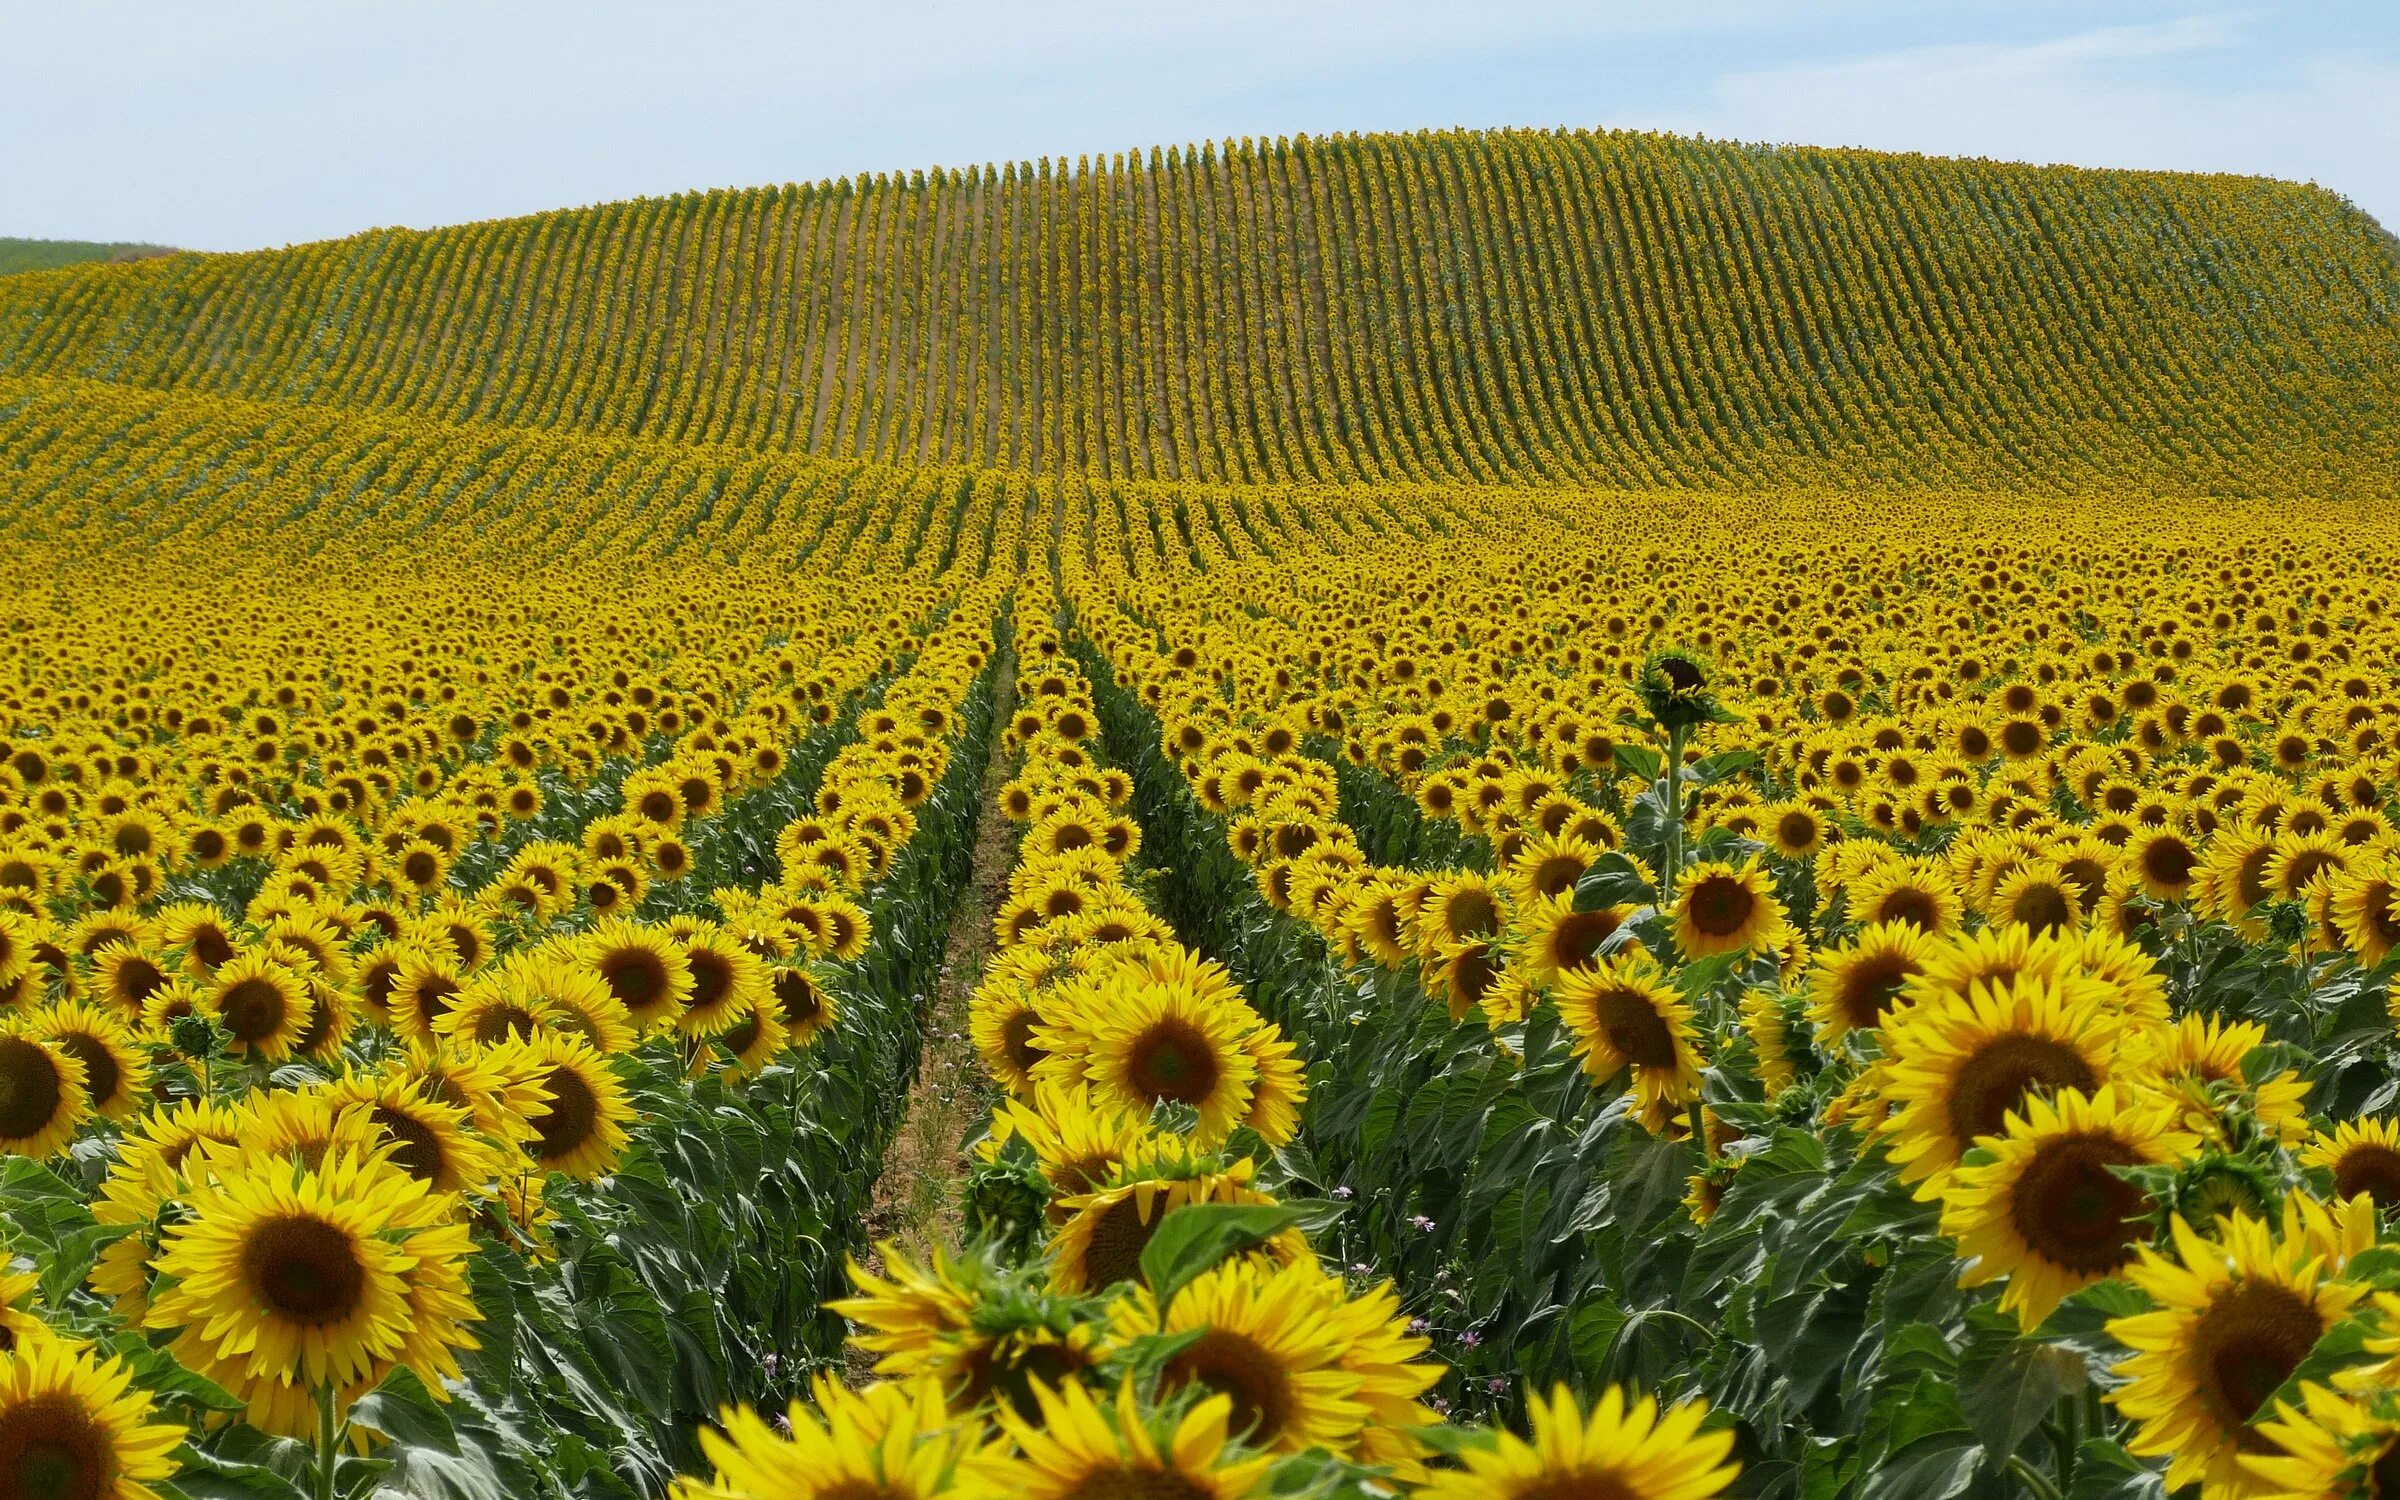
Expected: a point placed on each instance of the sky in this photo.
(237, 124)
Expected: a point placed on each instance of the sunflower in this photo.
(2039, 895)
(73, 1425)
(282, 1283)
(2203, 1061)
(754, 1039)
(434, 1142)
(1723, 908)
(425, 987)
(496, 1009)
(805, 1008)
(568, 997)
(2329, 1447)
(1460, 906)
(579, 1128)
(1281, 1086)
(897, 1441)
(1957, 1067)
(2236, 883)
(19, 1323)
(44, 1099)
(2234, 1318)
(1855, 988)
(1622, 1450)
(128, 975)
(1272, 1340)
(1076, 1142)
(1165, 1036)
(1915, 891)
(263, 1006)
(728, 981)
(1074, 1450)
(2364, 910)
(116, 1071)
(2364, 1157)
(1105, 1231)
(1795, 830)
(985, 1336)
(1002, 1019)
(2299, 859)
(1625, 1014)
(645, 970)
(2047, 1212)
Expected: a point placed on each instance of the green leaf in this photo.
(2009, 1398)
(1710, 770)
(205, 1477)
(1196, 1236)
(1640, 760)
(405, 1412)
(2104, 1471)
(1612, 880)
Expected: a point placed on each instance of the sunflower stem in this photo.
(1700, 1133)
(1673, 782)
(325, 1440)
(2033, 1479)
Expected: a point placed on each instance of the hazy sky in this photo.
(226, 124)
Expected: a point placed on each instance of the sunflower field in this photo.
(1552, 856)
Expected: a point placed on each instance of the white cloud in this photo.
(2093, 98)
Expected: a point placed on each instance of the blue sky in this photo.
(234, 124)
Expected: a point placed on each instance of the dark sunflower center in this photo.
(253, 1010)
(101, 1075)
(2000, 1074)
(1251, 1377)
(2042, 907)
(1173, 1060)
(501, 1022)
(1576, 940)
(2304, 867)
(1796, 829)
(1137, 1484)
(573, 1114)
(51, 1449)
(1632, 1024)
(1721, 905)
(712, 976)
(2168, 861)
(1008, 1368)
(138, 979)
(635, 975)
(2247, 1343)
(2373, 1170)
(1118, 1240)
(31, 1089)
(1871, 986)
(435, 994)
(1584, 1486)
(416, 1147)
(1908, 904)
(1016, 1038)
(305, 1270)
(1470, 913)
(2072, 1210)
(797, 994)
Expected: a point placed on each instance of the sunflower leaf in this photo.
(1196, 1236)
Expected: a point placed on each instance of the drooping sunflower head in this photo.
(579, 1128)
(1074, 1446)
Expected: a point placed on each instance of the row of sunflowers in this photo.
(1139, 1307)
(1962, 1055)
(449, 1052)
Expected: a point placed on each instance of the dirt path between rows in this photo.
(919, 1198)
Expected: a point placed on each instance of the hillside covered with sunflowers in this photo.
(1485, 816)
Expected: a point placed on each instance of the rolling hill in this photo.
(1508, 307)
